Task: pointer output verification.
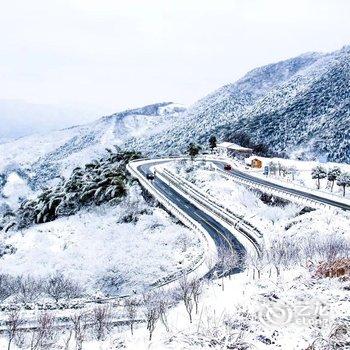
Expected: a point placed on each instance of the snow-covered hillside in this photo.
(293, 296)
(126, 255)
(40, 158)
(299, 106)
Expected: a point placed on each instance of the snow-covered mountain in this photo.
(40, 158)
(299, 106)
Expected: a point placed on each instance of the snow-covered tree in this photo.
(130, 306)
(344, 181)
(101, 181)
(151, 311)
(293, 170)
(212, 142)
(193, 150)
(228, 260)
(333, 175)
(319, 173)
(273, 167)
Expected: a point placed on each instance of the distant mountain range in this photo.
(300, 106)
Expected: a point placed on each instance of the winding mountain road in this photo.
(222, 237)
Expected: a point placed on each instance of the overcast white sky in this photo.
(118, 54)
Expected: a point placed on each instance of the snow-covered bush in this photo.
(101, 181)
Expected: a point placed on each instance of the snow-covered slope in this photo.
(300, 106)
(296, 106)
(136, 254)
(43, 157)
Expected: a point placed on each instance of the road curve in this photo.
(223, 238)
(293, 191)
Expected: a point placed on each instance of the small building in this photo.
(233, 150)
(256, 163)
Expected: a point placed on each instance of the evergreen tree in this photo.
(212, 142)
(318, 173)
(193, 150)
(333, 175)
(101, 181)
(240, 138)
(344, 181)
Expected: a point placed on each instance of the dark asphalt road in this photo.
(246, 176)
(222, 237)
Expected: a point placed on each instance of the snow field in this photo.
(96, 245)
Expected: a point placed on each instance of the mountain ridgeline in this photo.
(299, 107)
(54, 155)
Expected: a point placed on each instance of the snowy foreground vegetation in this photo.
(295, 296)
(98, 232)
(106, 250)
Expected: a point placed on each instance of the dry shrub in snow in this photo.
(333, 247)
(338, 337)
(101, 321)
(325, 248)
(285, 252)
(80, 323)
(58, 286)
(216, 331)
(45, 335)
(13, 325)
(336, 268)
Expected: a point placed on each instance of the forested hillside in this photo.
(298, 107)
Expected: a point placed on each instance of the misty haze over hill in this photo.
(20, 118)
